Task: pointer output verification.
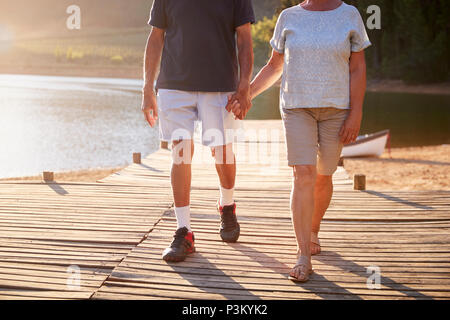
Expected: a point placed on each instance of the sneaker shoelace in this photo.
(229, 218)
(178, 240)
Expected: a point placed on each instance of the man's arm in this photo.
(153, 51)
(352, 125)
(245, 54)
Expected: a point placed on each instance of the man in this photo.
(198, 71)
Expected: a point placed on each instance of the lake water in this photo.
(57, 124)
(68, 123)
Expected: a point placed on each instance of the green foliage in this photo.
(413, 43)
(262, 33)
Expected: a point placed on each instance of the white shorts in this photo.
(180, 110)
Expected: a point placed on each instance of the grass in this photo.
(97, 47)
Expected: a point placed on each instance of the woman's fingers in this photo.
(346, 136)
(352, 135)
(236, 108)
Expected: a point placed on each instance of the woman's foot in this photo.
(315, 244)
(302, 270)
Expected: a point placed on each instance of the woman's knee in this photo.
(305, 176)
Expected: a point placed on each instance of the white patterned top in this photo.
(317, 46)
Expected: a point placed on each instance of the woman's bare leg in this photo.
(322, 197)
(302, 208)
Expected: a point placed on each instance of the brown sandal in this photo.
(303, 270)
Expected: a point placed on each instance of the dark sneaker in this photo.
(229, 227)
(181, 246)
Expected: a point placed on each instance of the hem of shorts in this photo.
(195, 88)
(292, 164)
(208, 145)
(314, 165)
(300, 107)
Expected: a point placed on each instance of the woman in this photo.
(318, 49)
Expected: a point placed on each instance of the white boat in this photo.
(370, 145)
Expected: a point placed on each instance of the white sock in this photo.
(226, 197)
(183, 215)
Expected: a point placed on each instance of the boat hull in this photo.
(368, 146)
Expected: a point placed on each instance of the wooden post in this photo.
(137, 158)
(165, 145)
(359, 182)
(48, 176)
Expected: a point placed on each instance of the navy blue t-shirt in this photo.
(200, 45)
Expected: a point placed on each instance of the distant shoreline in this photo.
(135, 72)
(412, 169)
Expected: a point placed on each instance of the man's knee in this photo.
(182, 152)
(305, 176)
(223, 154)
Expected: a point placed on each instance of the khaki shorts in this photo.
(312, 137)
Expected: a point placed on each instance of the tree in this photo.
(413, 43)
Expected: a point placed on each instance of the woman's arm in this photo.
(268, 75)
(352, 125)
(266, 78)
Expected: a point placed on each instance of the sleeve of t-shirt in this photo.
(158, 16)
(359, 39)
(243, 13)
(279, 38)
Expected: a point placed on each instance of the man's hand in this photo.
(234, 106)
(350, 130)
(149, 106)
(240, 102)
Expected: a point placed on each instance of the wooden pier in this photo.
(113, 232)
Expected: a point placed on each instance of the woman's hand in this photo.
(350, 130)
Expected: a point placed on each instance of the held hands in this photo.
(350, 130)
(149, 106)
(240, 102)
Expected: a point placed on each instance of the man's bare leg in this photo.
(181, 176)
(226, 169)
(322, 197)
(183, 242)
(225, 165)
